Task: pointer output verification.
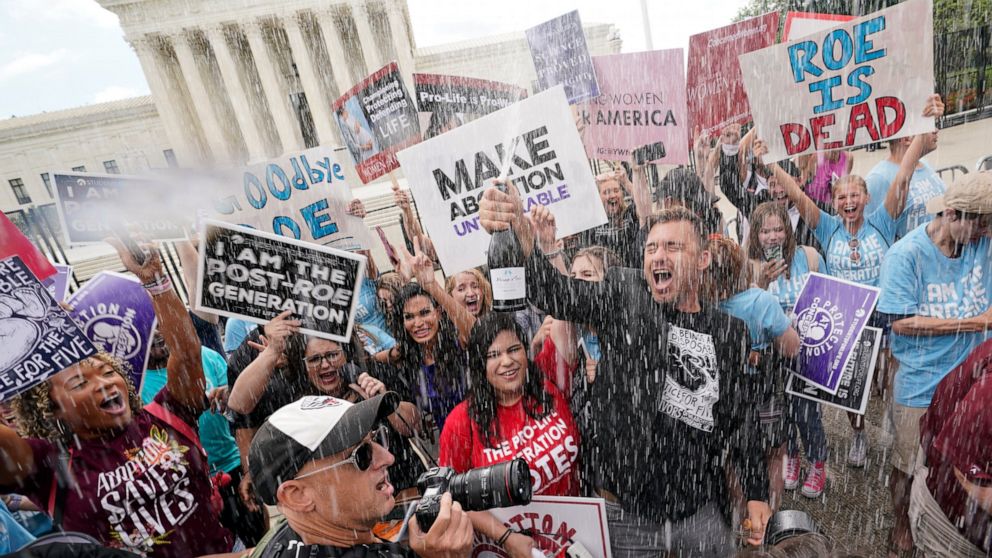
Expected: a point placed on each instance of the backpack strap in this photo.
(160, 412)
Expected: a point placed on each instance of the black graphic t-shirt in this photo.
(671, 398)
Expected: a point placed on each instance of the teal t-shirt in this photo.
(923, 186)
(876, 234)
(787, 289)
(762, 313)
(918, 279)
(214, 430)
(12, 535)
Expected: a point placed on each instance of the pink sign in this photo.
(715, 88)
(641, 101)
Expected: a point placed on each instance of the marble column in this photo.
(236, 93)
(211, 124)
(366, 37)
(276, 94)
(335, 51)
(320, 108)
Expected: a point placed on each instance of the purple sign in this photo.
(58, 284)
(830, 315)
(561, 56)
(117, 314)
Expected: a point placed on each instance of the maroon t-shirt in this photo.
(145, 490)
(955, 433)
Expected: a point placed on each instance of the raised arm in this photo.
(639, 190)
(423, 270)
(808, 209)
(185, 380)
(248, 389)
(895, 199)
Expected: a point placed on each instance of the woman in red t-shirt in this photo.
(140, 477)
(511, 411)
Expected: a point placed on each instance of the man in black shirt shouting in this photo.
(672, 410)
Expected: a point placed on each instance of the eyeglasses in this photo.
(855, 255)
(315, 360)
(361, 457)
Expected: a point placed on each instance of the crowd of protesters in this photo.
(648, 370)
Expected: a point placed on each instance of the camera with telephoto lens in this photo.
(496, 486)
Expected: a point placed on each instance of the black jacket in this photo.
(671, 402)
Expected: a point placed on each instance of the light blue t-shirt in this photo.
(787, 290)
(874, 237)
(370, 316)
(12, 535)
(918, 279)
(235, 333)
(924, 185)
(762, 313)
(214, 430)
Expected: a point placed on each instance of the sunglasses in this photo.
(315, 360)
(361, 457)
(855, 255)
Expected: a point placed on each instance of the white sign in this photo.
(556, 523)
(857, 83)
(448, 174)
(303, 195)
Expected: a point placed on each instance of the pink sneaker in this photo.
(816, 480)
(791, 472)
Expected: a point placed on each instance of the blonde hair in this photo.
(35, 409)
(848, 178)
(610, 177)
(487, 289)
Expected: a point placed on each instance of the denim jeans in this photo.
(806, 419)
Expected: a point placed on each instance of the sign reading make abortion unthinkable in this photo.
(38, 337)
(248, 274)
(715, 88)
(860, 82)
(830, 315)
(302, 195)
(641, 100)
(92, 206)
(561, 57)
(117, 314)
(855, 383)
(449, 173)
(446, 102)
(377, 118)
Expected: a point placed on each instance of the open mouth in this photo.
(509, 375)
(114, 405)
(328, 377)
(422, 332)
(849, 211)
(662, 279)
(472, 305)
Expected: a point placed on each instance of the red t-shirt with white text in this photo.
(549, 445)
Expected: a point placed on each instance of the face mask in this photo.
(730, 149)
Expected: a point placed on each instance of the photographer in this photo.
(322, 461)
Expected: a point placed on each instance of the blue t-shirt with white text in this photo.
(923, 186)
(876, 234)
(787, 289)
(918, 279)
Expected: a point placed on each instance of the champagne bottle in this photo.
(506, 270)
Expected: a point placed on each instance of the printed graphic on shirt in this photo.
(920, 192)
(548, 446)
(861, 265)
(965, 299)
(147, 498)
(692, 384)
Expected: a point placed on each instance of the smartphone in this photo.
(650, 152)
(773, 253)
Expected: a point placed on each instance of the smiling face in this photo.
(90, 398)
(772, 232)
(468, 292)
(673, 259)
(777, 191)
(324, 360)
(420, 319)
(611, 195)
(506, 367)
(850, 196)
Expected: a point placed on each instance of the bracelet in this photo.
(505, 536)
(553, 254)
(159, 286)
(14, 503)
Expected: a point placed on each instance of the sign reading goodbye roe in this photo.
(861, 82)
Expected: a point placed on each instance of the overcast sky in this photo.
(59, 54)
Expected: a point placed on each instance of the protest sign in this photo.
(445, 101)
(556, 522)
(38, 337)
(855, 383)
(93, 206)
(561, 56)
(117, 314)
(58, 284)
(715, 89)
(641, 100)
(448, 174)
(255, 276)
(377, 118)
(801, 24)
(302, 195)
(830, 314)
(861, 82)
(14, 243)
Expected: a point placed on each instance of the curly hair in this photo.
(728, 273)
(482, 403)
(486, 302)
(35, 409)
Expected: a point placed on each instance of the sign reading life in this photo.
(822, 65)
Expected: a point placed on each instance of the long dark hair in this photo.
(757, 221)
(449, 358)
(482, 402)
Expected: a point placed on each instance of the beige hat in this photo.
(971, 193)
